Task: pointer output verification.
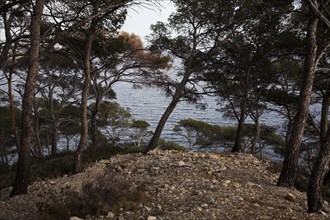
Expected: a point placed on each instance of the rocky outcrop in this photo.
(179, 185)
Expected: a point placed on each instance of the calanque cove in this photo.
(164, 184)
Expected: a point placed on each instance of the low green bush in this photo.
(169, 145)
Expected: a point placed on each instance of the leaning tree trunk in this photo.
(161, 124)
(77, 163)
(23, 169)
(290, 164)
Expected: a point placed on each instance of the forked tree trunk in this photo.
(23, 170)
(290, 164)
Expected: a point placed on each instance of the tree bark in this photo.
(23, 170)
(321, 165)
(290, 164)
(54, 138)
(77, 163)
(11, 107)
(94, 121)
(176, 98)
(4, 161)
(256, 139)
(161, 124)
(238, 139)
(38, 145)
(314, 190)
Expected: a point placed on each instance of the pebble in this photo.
(152, 218)
(290, 197)
(181, 163)
(75, 218)
(110, 215)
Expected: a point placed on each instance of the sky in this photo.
(139, 19)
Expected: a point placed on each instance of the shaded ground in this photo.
(175, 185)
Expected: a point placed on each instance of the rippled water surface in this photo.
(149, 104)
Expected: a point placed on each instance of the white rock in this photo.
(226, 183)
(147, 208)
(151, 217)
(110, 215)
(181, 163)
(75, 218)
(290, 197)
(204, 206)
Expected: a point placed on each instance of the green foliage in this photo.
(169, 145)
(117, 119)
(202, 134)
(140, 131)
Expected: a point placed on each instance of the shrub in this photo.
(169, 145)
(105, 194)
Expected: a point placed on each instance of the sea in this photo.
(149, 103)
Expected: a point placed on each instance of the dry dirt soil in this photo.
(175, 185)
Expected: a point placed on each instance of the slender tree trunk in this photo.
(54, 138)
(176, 98)
(77, 163)
(256, 138)
(320, 169)
(11, 107)
(93, 121)
(321, 165)
(161, 124)
(290, 164)
(23, 170)
(37, 145)
(2, 147)
(238, 139)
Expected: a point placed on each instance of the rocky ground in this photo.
(176, 185)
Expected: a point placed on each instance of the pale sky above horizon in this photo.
(139, 19)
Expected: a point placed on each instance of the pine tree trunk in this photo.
(320, 169)
(176, 98)
(290, 164)
(256, 139)
(93, 122)
(161, 124)
(238, 139)
(23, 170)
(2, 147)
(54, 139)
(37, 144)
(77, 163)
(11, 109)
